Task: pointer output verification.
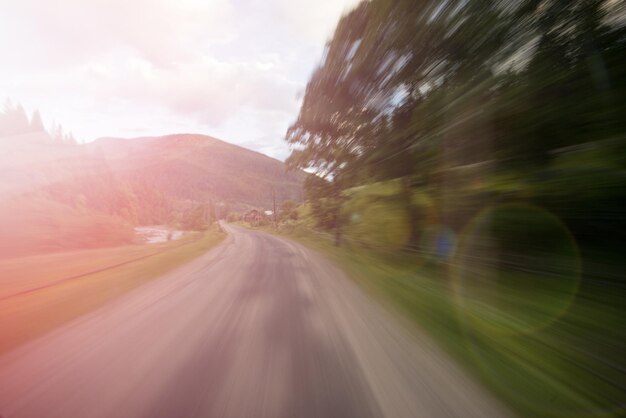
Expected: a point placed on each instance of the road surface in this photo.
(258, 327)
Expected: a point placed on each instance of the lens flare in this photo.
(438, 243)
(517, 270)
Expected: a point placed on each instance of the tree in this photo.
(69, 139)
(56, 132)
(441, 93)
(325, 136)
(36, 124)
(13, 119)
(319, 194)
(194, 218)
(288, 209)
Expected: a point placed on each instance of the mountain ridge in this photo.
(69, 196)
(205, 137)
(199, 167)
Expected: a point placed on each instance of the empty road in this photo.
(258, 327)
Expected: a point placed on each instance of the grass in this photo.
(566, 362)
(56, 300)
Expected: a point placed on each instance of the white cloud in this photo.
(313, 18)
(54, 32)
(102, 67)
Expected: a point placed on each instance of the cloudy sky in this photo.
(233, 69)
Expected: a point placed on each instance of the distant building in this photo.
(252, 216)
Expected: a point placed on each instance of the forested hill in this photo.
(61, 195)
(201, 168)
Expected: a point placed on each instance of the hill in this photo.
(59, 196)
(56, 196)
(199, 168)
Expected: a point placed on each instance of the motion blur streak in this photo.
(258, 327)
(470, 155)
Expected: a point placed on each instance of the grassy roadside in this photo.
(31, 314)
(570, 368)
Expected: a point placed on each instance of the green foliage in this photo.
(324, 200)
(288, 210)
(430, 124)
(555, 340)
(13, 120)
(195, 219)
(450, 95)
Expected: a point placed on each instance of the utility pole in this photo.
(274, 200)
(337, 196)
(211, 210)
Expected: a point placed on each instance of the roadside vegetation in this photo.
(545, 348)
(42, 292)
(469, 165)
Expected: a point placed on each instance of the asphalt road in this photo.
(257, 327)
